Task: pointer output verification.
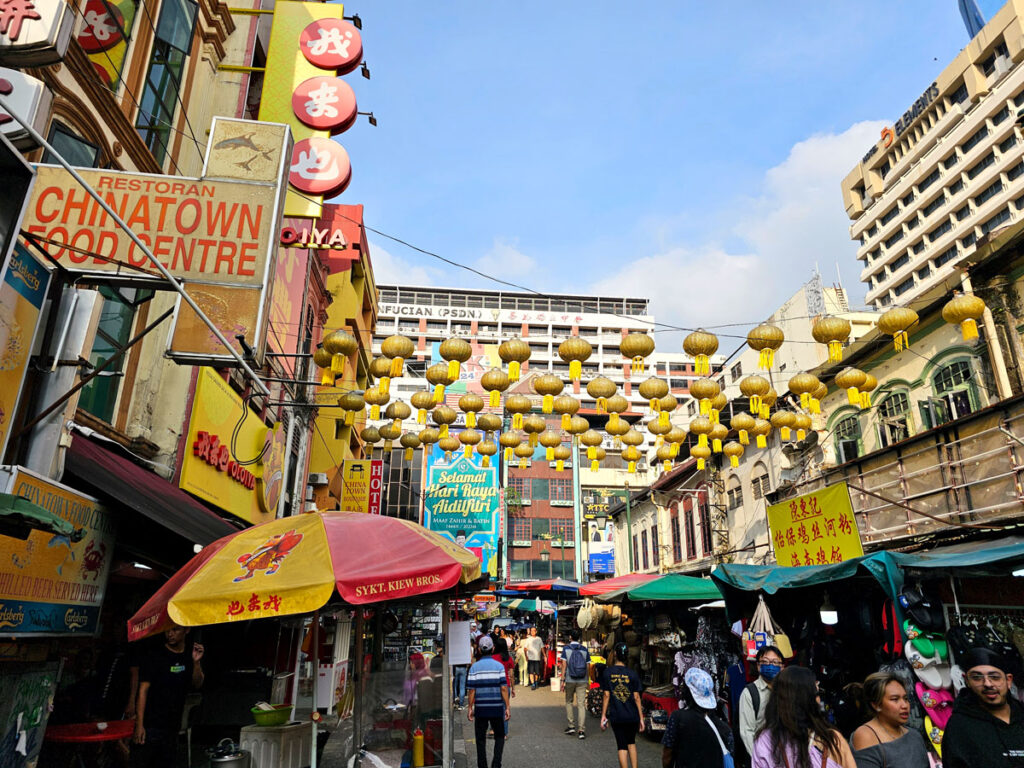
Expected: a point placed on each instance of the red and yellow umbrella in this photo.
(294, 564)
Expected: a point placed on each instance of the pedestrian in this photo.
(986, 729)
(795, 733)
(166, 676)
(534, 657)
(574, 668)
(885, 740)
(505, 658)
(696, 737)
(488, 702)
(521, 662)
(459, 672)
(754, 700)
(621, 708)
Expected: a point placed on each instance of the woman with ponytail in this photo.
(795, 732)
(885, 740)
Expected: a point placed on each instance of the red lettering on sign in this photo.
(210, 449)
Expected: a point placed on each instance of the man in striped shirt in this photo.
(488, 701)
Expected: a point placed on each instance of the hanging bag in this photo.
(779, 638)
(759, 631)
(727, 761)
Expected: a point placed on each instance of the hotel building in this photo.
(947, 173)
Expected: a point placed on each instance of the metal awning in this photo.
(116, 477)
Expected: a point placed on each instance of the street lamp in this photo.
(545, 557)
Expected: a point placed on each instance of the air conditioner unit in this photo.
(318, 478)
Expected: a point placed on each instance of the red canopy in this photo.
(546, 585)
(609, 585)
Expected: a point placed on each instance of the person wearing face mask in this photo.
(986, 729)
(885, 740)
(754, 699)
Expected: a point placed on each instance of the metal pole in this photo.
(313, 715)
(561, 543)
(357, 680)
(446, 694)
(141, 245)
(629, 528)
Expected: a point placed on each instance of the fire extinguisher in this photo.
(417, 748)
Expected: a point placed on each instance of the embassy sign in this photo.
(218, 233)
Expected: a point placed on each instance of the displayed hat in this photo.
(702, 687)
(485, 643)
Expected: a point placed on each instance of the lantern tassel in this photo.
(755, 403)
(575, 369)
(613, 420)
(785, 433)
(522, 463)
(632, 468)
(559, 466)
(396, 367)
(901, 340)
(716, 445)
(453, 370)
(638, 365)
(591, 452)
(805, 400)
(801, 434)
(765, 411)
(666, 466)
(467, 451)
(548, 403)
(374, 412)
(408, 454)
(602, 405)
(865, 400)
(566, 419)
(815, 405)
(438, 393)
(350, 416)
(444, 430)
(495, 398)
(338, 364)
(421, 416)
(762, 441)
(655, 405)
(766, 359)
(663, 417)
(448, 456)
(387, 445)
(701, 365)
(327, 379)
(470, 419)
(835, 351)
(508, 455)
(487, 461)
(659, 441)
(517, 421)
(595, 465)
(533, 439)
(675, 449)
(513, 370)
(969, 329)
(549, 454)
(744, 437)
(713, 415)
(705, 406)
(702, 440)
(734, 461)
(700, 463)
(853, 395)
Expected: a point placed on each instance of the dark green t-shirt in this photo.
(621, 683)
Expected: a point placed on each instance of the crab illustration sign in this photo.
(219, 233)
(52, 583)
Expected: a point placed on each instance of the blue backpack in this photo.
(577, 662)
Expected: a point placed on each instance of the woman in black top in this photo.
(695, 735)
(621, 708)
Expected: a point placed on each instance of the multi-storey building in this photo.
(947, 173)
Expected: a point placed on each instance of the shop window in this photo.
(643, 549)
(704, 509)
(560, 489)
(99, 396)
(72, 147)
(541, 527)
(893, 424)
(955, 395)
(691, 538)
(760, 483)
(677, 545)
(734, 494)
(636, 551)
(562, 530)
(522, 530)
(521, 486)
(847, 434)
(655, 547)
(540, 490)
(171, 46)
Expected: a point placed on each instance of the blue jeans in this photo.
(459, 675)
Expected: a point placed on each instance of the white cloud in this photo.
(391, 269)
(794, 221)
(505, 258)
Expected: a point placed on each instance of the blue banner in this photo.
(56, 618)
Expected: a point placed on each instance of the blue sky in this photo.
(689, 152)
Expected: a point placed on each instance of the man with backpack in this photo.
(754, 701)
(575, 672)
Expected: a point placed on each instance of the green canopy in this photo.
(19, 517)
(671, 586)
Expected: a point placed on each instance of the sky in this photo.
(686, 152)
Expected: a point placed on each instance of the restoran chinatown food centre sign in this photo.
(218, 233)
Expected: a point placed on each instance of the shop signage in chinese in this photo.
(34, 33)
(29, 99)
(23, 288)
(49, 583)
(314, 104)
(362, 485)
(104, 36)
(243, 478)
(462, 503)
(219, 232)
(817, 528)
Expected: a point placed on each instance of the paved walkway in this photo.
(536, 739)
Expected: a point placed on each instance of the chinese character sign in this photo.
(817, 528)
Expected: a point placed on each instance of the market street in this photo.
(536, 738)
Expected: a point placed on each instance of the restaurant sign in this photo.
(243, 478)
(51, 584)
(218, 233)
(34, 33)
(817, 528)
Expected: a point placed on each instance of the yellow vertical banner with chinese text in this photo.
(816, 528)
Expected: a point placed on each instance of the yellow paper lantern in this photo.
(429, 435)
(577, 426)
(599, 456)
(437, 376)
(665, 456)
(869, 386)
(397, 349)
(601, 389)
(803, 385)
(398, 412)
(442, 415)
(743, 423)
(517, 405)
(734, 451)
(896, 322)
(754, 387)
(471, 404)
(351, 403)
(549, 439)
(524, 453)
(965, 310)
(533, 425)
(718, 404)
(566, 406)
(631, 455)
(833, 332)
(375, 398)
(487, 448)
(495, 381)
(783, 421)
(456, 351)
(548, 386)
(700, 345)
(339, 345)
(762, 428)
(575, 351)
(701, 453)
(615, 405)
(469, 438)
(704, 390)
(701, 426)
(766, 339)
(449, 445)
(562, 452)
(422, 401)
(666, 407)
(719, 432)
(851, 379)
(802, 423)
(510, 441)
(591, 439)
(389, 433)
(514, 352)
(653, 389)
(323, 360)
(370, 435)
(489, 422)
(410, 442)
(636, 346)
